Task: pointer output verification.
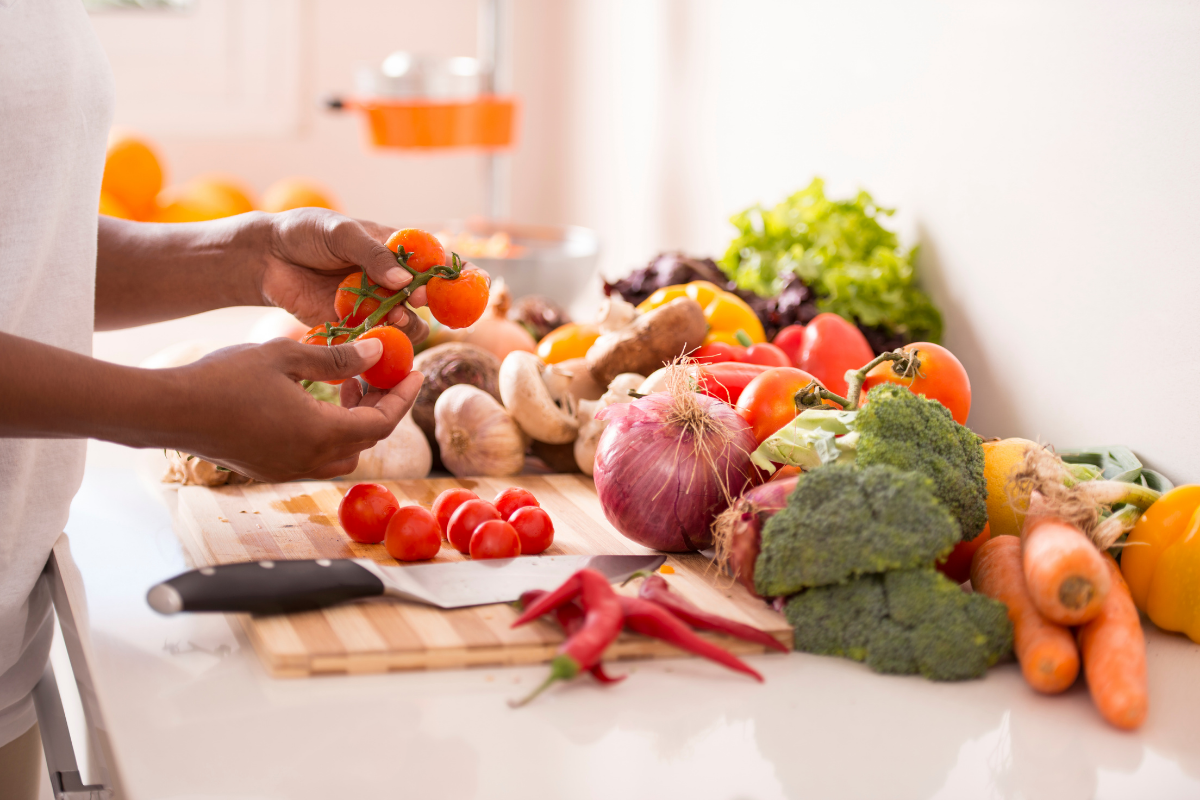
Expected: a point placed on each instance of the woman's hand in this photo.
(308, 251)
(247, 411)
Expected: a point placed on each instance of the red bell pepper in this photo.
(725, 381)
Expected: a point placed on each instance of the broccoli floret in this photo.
(909, 432)
(841, 521)
(905, 622)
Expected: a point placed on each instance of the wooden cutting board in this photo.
(230, 524)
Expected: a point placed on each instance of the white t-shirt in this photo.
(56, 102)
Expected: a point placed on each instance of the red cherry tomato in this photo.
(458, 303)
(785, 472)
(511, 499)
(447, 503)
(397, 359)
(957, 565)
(317, 336)
(766, 354)
(535, 529)
(831, 346)
(423, 248)
(717, 353)
(790, 340)
(769, 401)
(936, 373)
(365, 510)
(357, 297)
(495, 539)
(412, 535)
(463, 522)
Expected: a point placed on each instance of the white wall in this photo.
(1044, 154)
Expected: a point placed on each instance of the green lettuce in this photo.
(854, 265)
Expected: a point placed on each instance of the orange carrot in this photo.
(1048, 656)
(1065, 574)
(1114, 656)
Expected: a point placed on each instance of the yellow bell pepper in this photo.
(661, 297)
(703, 292)
(572, 340)
(730, 313)
(1161, 562)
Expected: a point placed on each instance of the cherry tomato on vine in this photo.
(935, 373)
(463, 522)
(769, 401)
(348, 293)
(423, 248)
(397, 359)
(534, 528)
(447, 503)
(365, 510)
(831, 347)
(495, 539)
(458, 303)
(412, 535)
(790, 340)
(512, 498)
(319, 337)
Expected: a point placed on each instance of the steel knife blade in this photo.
(274, 587)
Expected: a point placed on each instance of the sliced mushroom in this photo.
(537, 397)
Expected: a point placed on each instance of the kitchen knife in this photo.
(276, 587)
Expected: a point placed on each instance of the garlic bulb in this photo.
(404, 455)
(476, 435)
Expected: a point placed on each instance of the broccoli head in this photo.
(909, 432)
(841, 521)
(913, 621)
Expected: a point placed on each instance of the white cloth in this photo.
(56, 101)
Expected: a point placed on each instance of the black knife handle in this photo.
(265, 587)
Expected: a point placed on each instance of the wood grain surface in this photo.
(226, 525)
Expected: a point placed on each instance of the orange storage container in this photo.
(486, 122)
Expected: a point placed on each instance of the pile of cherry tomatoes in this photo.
(513, 524)
(457, 297)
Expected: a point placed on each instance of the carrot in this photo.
(1114, 656)
(1063, 570)
(1047, 653)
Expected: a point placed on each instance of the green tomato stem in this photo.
(856, 378)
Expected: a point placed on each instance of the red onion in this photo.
(668, 463)
(738, 531)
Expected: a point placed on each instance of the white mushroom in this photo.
(590, 428)
(657, 382)
(615, 314)
(537, 397)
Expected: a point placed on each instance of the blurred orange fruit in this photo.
(112, 207)
(292, 193)
(203, 198)
(133, 173)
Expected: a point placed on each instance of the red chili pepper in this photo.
(570, 618)
(548, 601)
(601, 625)
(651, 619)
(727, 380)
(656, 589)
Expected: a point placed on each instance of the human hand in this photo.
(246, 410)
(309, 251)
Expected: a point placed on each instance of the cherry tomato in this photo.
(534, 527)
(716, 353)
(318, 336)
(350, 291)
(458, 303)
(831, 347)
(511, 499)
(412, 535)
(790, 340)
(447, 503)
(495, 539)
(766, 354)
(423, 248)
(397, 359)
(957, 565)
(365, 510)
(935, 373)
(463, 522)
(769, 401)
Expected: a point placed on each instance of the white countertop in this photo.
(192, 714)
